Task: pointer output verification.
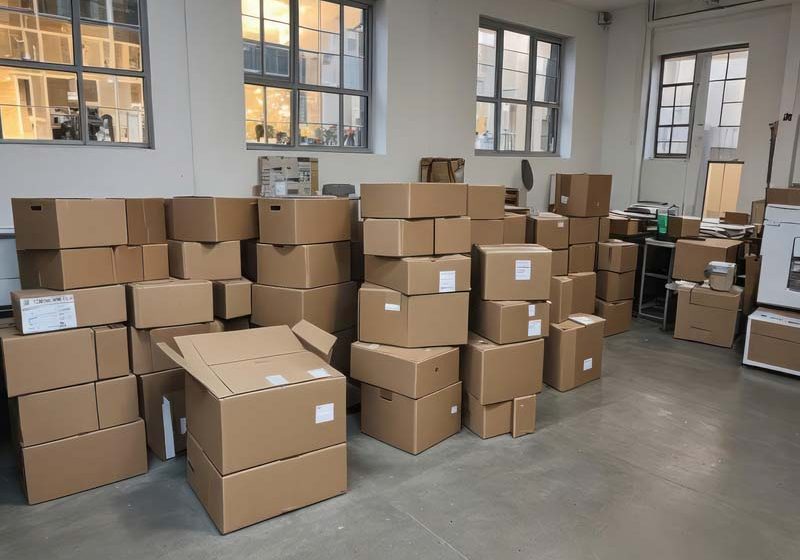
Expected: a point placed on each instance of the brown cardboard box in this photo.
(582, 257)
(583, 230)
(63, 223)
(147, 357)
(165, 303)
(253, 495)
(614, 286)
(487, 420)
(315, 340)
(574, 352)
(211, 219)
(757, 210)
(451, 235)
(162, 402)
(155, 262)
(500, 372)
(331, 308)
(707, 316)
(303, 220)
(584, 289)
(419, 275)
(47, 310)
(413, 200)
(740, 218)
(693, 255)
(191, 260)
(561, 295)
(232, 298)
(511, 272)
(514, 228)
(235, 324)
(413, 372)
(604, 229)
(304, 266)
(387, 316)
(128, 263)
(548, 230)
(752, 272)
(117, 401)
(504, 322)
(398, 238)
(356, 225)
(486, 232)
(790, 196)
(773, 340)
(524, 417)
(250, 259)
(583, 195)
(47, 361)
(623, 226)
(618, 315)
(340, 353)
(111, 348)
(357, 261)
(67, 269)
(617, 256)
(486, 202)
(233, 408)
(560, 266)
(683, 226)
(83, 462)
(412, 425)
(146, 219)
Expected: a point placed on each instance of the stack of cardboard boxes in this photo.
(74, 402)
(413, 312)
(552, 231)
(616, 277)
(303, 268)
(501, 365)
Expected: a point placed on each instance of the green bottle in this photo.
(662, 221)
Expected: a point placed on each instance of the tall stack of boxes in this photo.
(616, 277)
(501, 366)
(73, 399)
(487, 215)
(552, 231)
(413, 312)
(303, 258)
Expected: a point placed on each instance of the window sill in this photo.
(492, 153)
(302, 149)
(76, 144)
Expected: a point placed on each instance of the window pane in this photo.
(250, 29)
(318, 114)
(516, 51)
(545, 89)
(329, 43)
(329, 70)
(484, 126)
(39, 38)
(108, 46)
(309, 13)
(681, 115)
(309, 68)
(279, 116)
(22, 4)
(543, 130)
(734, 90)
(679, 70)
(353, 31)
(115, 108)
(353, 72)
(678, 148)
(38, 105)
(254, 112)
(122, 11)
(547, 55)
(680, 133)
(683, 95)
(55, 7)
(737, 65)
(665, 116)
(354, 121)
(662, 148)
(309, 40)
(667, 96)
(487, 54)
(512, 127)
(252, 8)
(515, 85)
(276, 33)
(485, 86)
(731, 114)
(719, 66)
(664, 133)
(714, 104)
(276, 10)
(329, 17)
(276, 61)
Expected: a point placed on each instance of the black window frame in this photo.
(79, 69)
(692, 103)
(293, 84)
(497, 99)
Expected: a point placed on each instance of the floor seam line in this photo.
(439, 538)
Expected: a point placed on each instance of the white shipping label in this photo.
(447, 281)
(319, 372)
(535, 328)
(391, 307)
(561, 224)
(522, 270)
(564, 199)
(582, 320)
(277, 379)
(324, 413)
(454, 409)
(587, 364)
(50, 313)
(182, 423)
(531, 310)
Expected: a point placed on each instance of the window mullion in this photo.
(77, 56)
(532, 42)
(498, 88)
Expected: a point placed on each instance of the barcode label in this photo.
(48, 313)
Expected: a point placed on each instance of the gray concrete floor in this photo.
(678, 452)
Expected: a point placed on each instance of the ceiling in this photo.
(603, 5)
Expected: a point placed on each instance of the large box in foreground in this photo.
(705, 315)
(773, 340)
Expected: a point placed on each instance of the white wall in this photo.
(425, 100)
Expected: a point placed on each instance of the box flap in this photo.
(235, 346)
(315, 340)
(711, 298)
(414, 355)
(584, 319)
(509, 248)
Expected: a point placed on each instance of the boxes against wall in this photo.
(707, 316)
(582, 195)
(413, 200)
(618, 315)
(209, 219)
(205, 261)
(511, 272)
(574, 352)
(40, 310)
(773, 340)
(331, 308)
(304, 220)
(304, 266)
(693, 255)
(420, 275)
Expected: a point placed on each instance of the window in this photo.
(51, 91)
(675, 106)
(726, 85)
(518, 90)
(306, 73)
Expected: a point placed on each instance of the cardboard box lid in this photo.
(512, 248)
(578, 321)
(776, 323)
(237, 362)
(315, 340)
(706, 297)
(711, 242)
(413, 355)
